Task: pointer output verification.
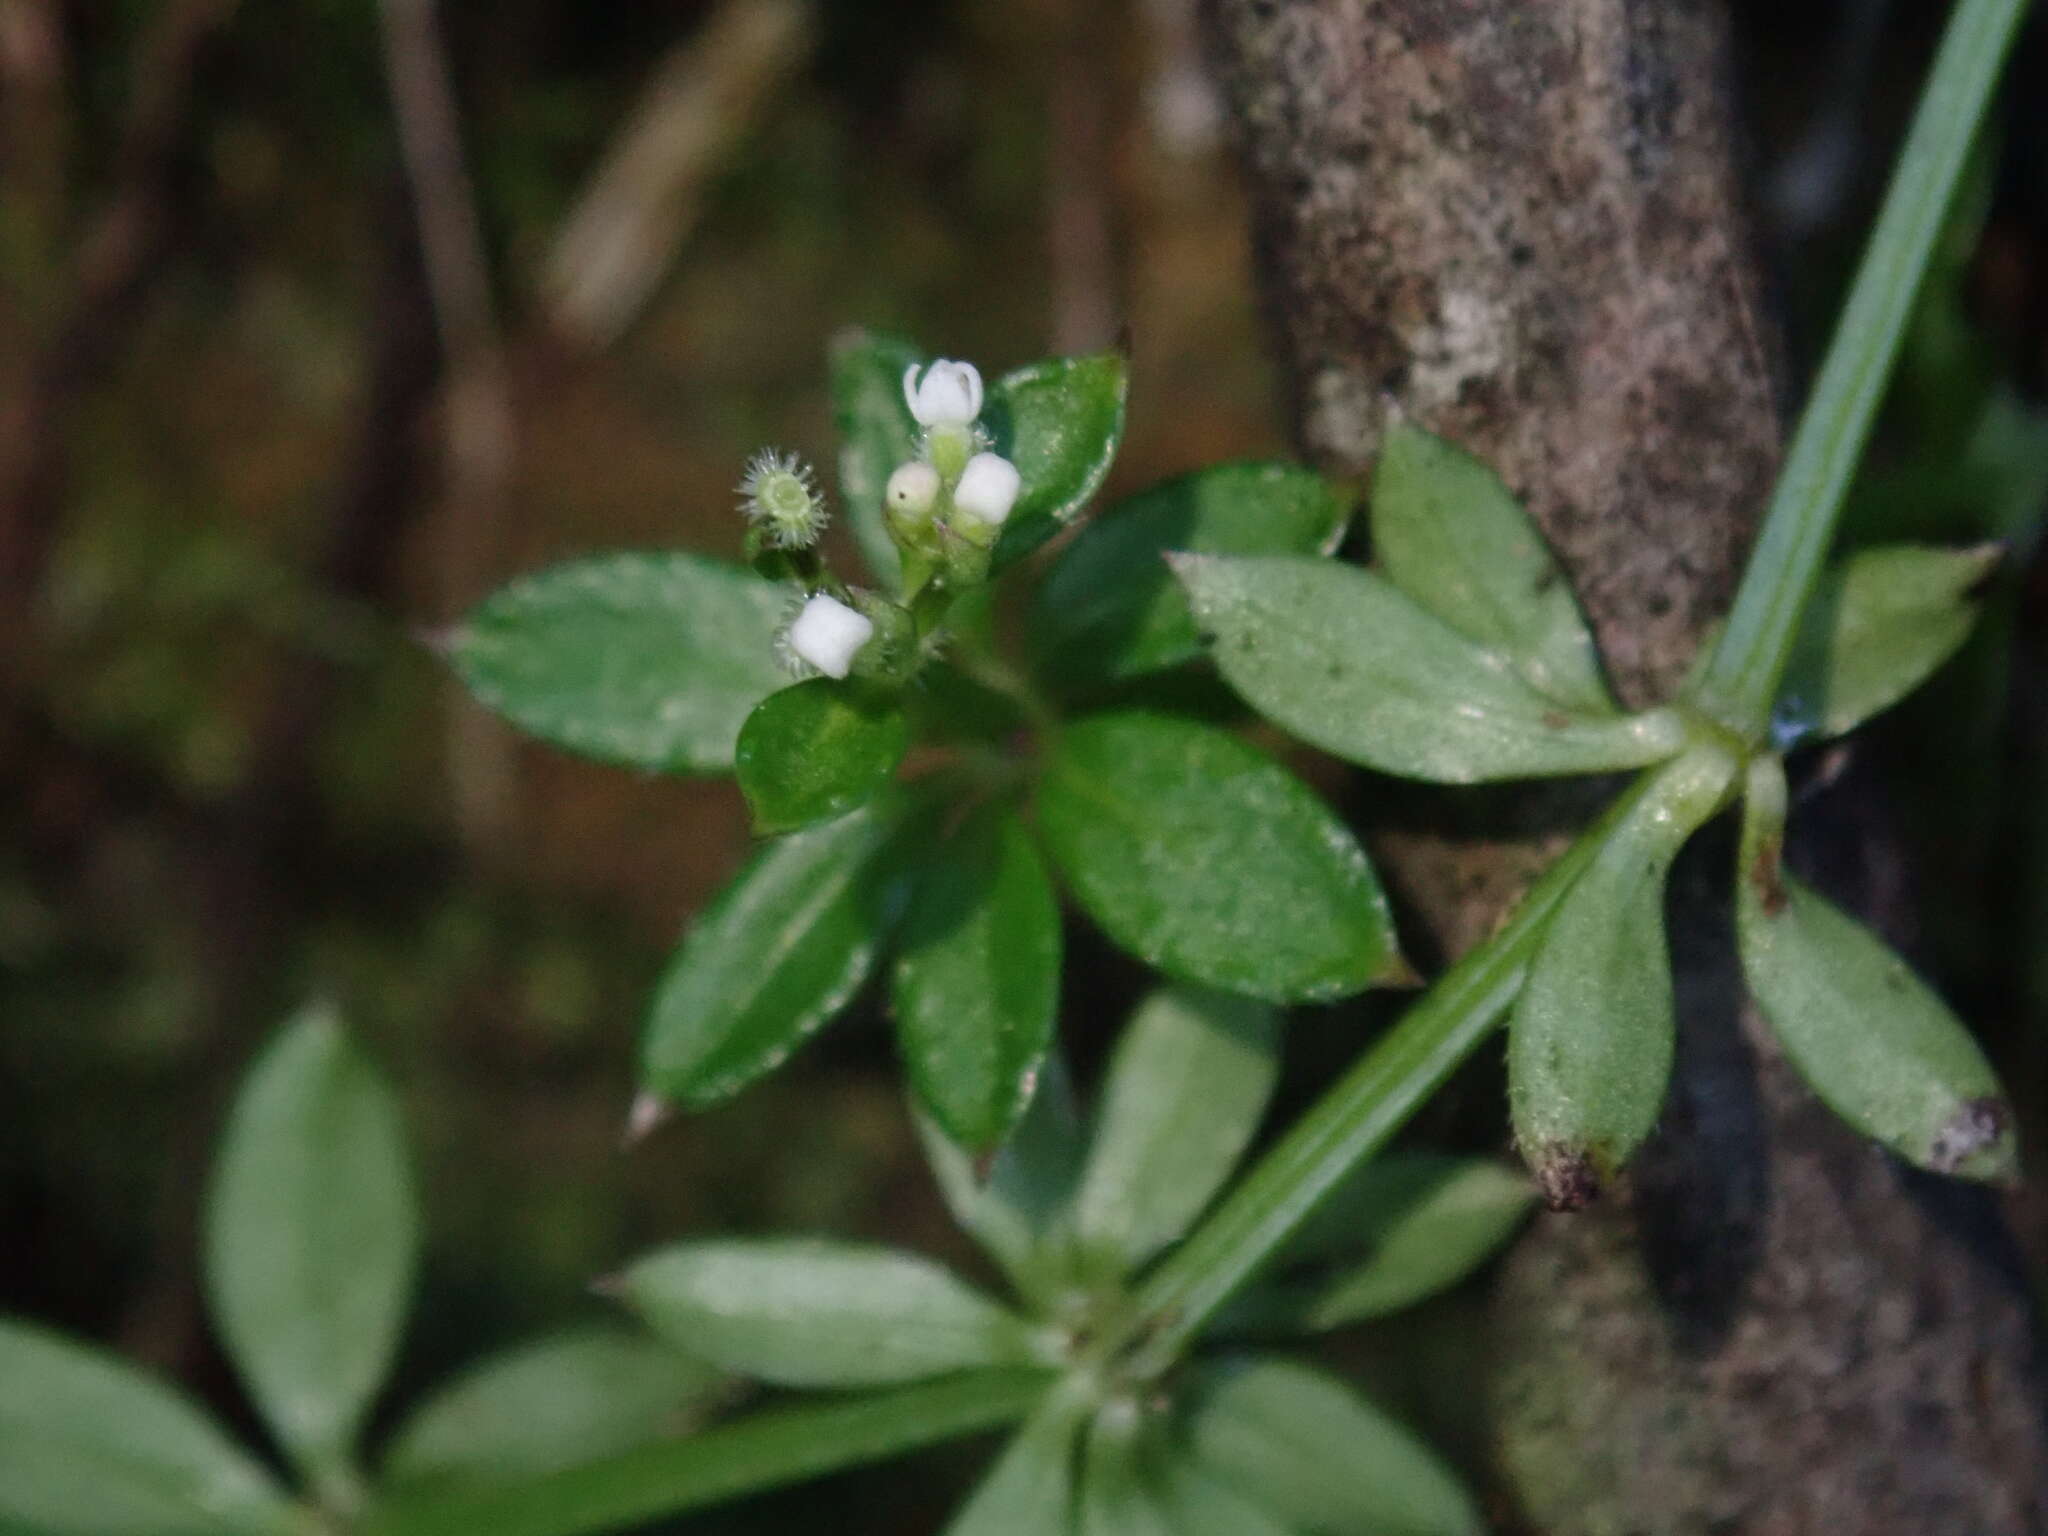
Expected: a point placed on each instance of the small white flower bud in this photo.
(913, 491)
(949, 394)
(827, 634)
(988, 488)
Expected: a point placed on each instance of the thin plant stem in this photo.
(1741, 680)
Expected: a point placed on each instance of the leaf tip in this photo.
(439, 640)
(650, 1112)
(612, 1287)
(1976, 1142)
(1397, 972)
(1565, 1177)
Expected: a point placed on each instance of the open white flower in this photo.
(949, 394)
(988, 488)
(827, 634)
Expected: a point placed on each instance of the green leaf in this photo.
(1060, 422)
(312, 1234)
(573, 1397)
(1345, 660)
(1880, 623)
(650, 660)
(805, 1313)
(818, 750)
(1197, 1503)
(753, 1454)
(978, 976)
(1184, 1096)
(1109, 609)
(1212, 862)
(89, 1446)
(782, 949)
(876, 433)
(1119, 1495)
(1425, 1220)
(1326, 1462)
(1017, 1210)
(1451, 536)
(1870, 1038)
(1590, 1044)
(1030, 1490)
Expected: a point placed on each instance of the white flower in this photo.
(949, 394)
(912, 491)
(827, 634)
(988, 488)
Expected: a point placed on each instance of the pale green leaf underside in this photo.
(1451, 536)
(807, 1313)
(1346, 661)
(90, 1446)
(1872, 1039)
(559, 1401)
(1186, 1090)
(312, 1234)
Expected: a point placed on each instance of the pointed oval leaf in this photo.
(1306, 1447)
(1060, 422)
(978, 976)
(818, 750)
(1186, 1090)
(1425, 1222)
(1030, 1489)
(1209, 860)
(556, 1402)
(1348, 662)
(1879, 623)
(807, 1313)
(1591, 1039)
(1018, 1208)
(90, 1446)
(650, 660)
(782, 949)
(1870, 1038)
(1109, 609)
(1197, 1503)
(312, 1234)
(876, 433)
(1451, 536)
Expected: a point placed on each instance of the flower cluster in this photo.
(943, 509)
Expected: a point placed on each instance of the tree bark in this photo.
(1524, 224)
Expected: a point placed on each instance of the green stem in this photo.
(766, 1450)
(1740, 684)
(1367, 1105)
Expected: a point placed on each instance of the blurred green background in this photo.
(258, 438)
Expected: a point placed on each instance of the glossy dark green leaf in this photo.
(807, 1313)
(1186, 1090)
(978, 976)
(1451, 536)
(1306, 1447)
(651, 660)
(946, 705)
(1030, 1489)
(1870, 1038)
(1210, 861)
(1345, 660)
(817, 750)
(312, 1234)
(90, 1446)
(1060, 422)
(876, 433)
(1423, 1222)
(1591, 1040)
(1110, 609)
(1880, 622)
(1018, 1207)
(782, 949)
(557, 1402)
